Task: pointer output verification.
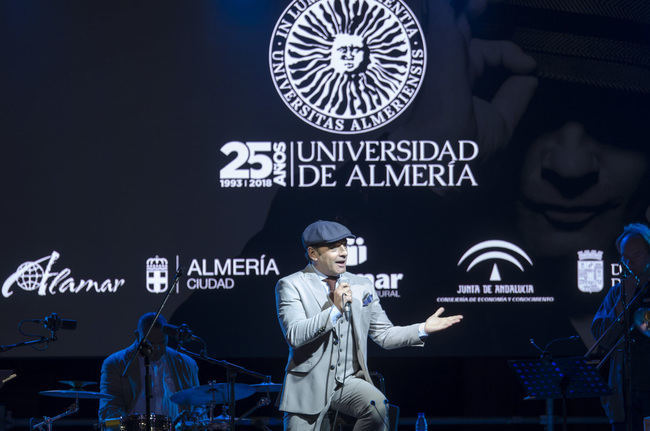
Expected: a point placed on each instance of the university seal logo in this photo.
(347, 66)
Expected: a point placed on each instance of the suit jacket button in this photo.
(336, 342)
(331, 367)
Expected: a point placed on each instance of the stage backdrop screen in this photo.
(483, 166)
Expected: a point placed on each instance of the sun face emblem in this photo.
(347, 66)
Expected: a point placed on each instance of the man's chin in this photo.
(546, 239)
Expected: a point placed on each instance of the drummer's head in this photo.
(157, 337)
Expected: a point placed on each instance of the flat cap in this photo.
(323, 232)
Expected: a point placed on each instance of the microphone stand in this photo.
(41, 340)
(144, 348)
(231, 374)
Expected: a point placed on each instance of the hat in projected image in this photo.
(597, 43)
(324, 232)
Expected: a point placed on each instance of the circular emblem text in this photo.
(347, 66)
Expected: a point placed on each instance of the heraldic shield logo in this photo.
(591, 270)
(347, 66)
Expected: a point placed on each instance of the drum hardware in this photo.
(225, 419)
(203, 424)
(110, 424)
(267, 387)
(244, 419)
(140, 423)
(46, 423)
(194, 423)
(77, 385)
(231, 376)
(211, 394)
(185, 418)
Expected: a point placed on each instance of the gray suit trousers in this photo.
(357, 398)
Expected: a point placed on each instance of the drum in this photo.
(110, 424)
(139, 423)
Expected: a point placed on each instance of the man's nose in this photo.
(570, 160)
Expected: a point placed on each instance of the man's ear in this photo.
(312, 254)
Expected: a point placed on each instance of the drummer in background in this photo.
(171, 371)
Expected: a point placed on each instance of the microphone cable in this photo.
(383, 418)
(345, 366)
(46, 339)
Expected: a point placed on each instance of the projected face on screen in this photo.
(348, 53)
(576, 190)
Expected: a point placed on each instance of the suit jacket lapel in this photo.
(316, 288)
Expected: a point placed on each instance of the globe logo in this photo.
(347, 66)
(38, 276)
(30, 275)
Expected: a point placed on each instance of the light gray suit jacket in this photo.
(303, 309)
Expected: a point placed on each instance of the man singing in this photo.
(328, 344)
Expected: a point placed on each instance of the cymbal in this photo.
(77, 384)
(77, 394)
(267, 387)
(213, 393)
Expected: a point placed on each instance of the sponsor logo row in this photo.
(46, 276)
(215, 274)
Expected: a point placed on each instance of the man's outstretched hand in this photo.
(436, 323)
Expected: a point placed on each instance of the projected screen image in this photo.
(207, 138)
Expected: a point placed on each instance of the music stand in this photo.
(559, 378)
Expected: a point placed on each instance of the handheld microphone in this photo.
(53, 322)
(347, 311)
